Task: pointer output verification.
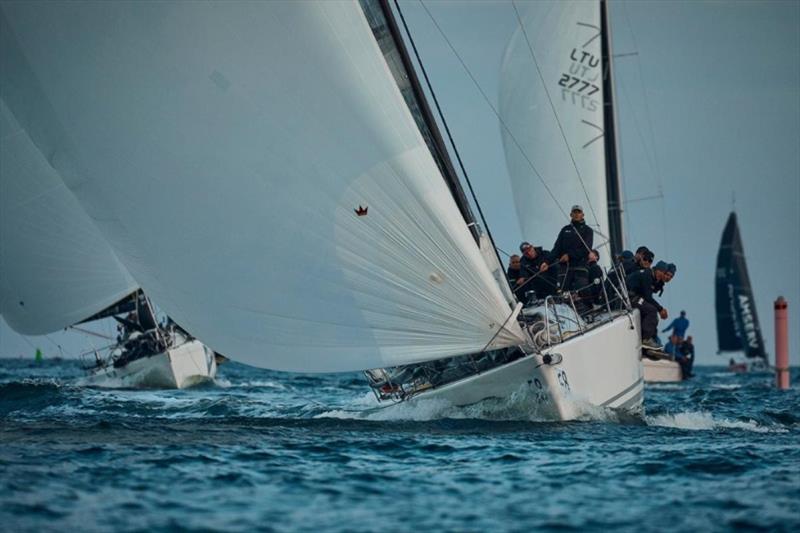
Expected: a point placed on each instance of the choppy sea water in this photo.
(262, 450)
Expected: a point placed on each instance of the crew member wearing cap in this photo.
(571, 250)
(543, 283)
(669, 273)
(635, 263)
(640, 286)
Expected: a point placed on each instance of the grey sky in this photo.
(721, 115)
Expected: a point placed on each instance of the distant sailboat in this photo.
(302, 214)
(56, 269)
(738, 329)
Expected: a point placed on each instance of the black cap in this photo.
(524, 246)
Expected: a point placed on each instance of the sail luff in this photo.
(613, 180)
(426, 121)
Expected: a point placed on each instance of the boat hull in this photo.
(186, 365)
(661, 371)
(600, 368)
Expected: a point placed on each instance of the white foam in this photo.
(705, 421)
(517, 407)
(726, 386)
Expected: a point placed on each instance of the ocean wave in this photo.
(705, 421)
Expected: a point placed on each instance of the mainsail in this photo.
(55, 267)
(292, 215)
(738, 329)
(557, 123)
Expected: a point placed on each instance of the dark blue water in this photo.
(268, 451)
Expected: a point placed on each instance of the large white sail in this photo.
(55, 267)
(255, 167)
(553, 117)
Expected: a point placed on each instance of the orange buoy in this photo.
(781, 343)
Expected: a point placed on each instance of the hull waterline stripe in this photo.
(636, 399)
(623, 393)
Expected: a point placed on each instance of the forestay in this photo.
(255, 167)
(55, 267)
(551, 104)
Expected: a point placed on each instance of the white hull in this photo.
(661, 371)
(186, 365)
(601, 368)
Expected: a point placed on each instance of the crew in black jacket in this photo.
(543, 283)
(571, 250)
(595, 290)
(516, 278)
(640, 286)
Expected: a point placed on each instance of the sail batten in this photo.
(296, 218)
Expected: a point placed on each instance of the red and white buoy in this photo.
(781, 343)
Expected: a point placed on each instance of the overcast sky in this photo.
(709, 106)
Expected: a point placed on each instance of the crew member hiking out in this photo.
(571, 250)
(640, 287)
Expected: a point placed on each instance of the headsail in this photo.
(294, 217)
(55, 267)
(551, 104)
(738, 329)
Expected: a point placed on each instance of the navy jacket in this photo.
(576, 240)
(640, 283)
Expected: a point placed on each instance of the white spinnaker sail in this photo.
(225, 149)
(56, 269)
(564, 37)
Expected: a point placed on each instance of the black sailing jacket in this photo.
(576, 240)
(640, 283)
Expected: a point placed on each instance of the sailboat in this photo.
(57, 271)
(303, 214)
(738, 329)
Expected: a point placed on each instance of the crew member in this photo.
(542, 283)
(515, 277)
(595, 289)
(571, 251)
(640, 286)
(688, 349)
(678, 326)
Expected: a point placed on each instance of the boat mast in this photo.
(613, 187)
(427, 123)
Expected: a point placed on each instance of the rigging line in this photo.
(60, 349)
(553, 108)
(446, 127)
(647, 153)
(28, 342)
(649, 121)
(494, 110)
(643, 199)
(514, 312)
